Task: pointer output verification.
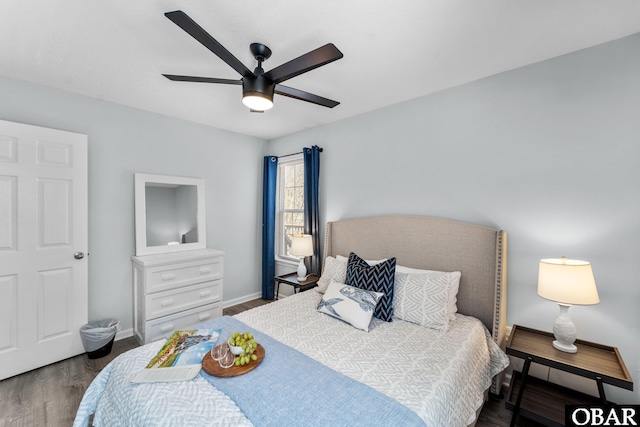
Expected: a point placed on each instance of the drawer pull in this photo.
(203, 316)
(166, 328)
(205, 294)
(168, 276)
(166, 302)
(205, 270)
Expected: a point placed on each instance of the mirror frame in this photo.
(140, 183)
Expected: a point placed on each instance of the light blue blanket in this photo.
(290, 389)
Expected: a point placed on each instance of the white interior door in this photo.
(43, 223)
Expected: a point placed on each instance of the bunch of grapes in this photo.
(248, 344)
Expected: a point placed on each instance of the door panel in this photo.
(54, 212)
(43, 222)
(54, 154)
(8, 213)
(8, 310)
(8, 148)
(54, 293)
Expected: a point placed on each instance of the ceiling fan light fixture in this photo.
(257, 102)
(257, 93)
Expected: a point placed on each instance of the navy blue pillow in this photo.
(377, 278)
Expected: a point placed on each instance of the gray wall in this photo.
(549, 152)
(123, 141)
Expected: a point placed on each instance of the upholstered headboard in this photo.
(478, 252)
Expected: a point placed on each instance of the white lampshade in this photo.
(567, 281)
(301, 245)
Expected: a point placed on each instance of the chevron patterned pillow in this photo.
(422, 299)
(453, 283)
(376, 278)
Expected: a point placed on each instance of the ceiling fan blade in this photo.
(183, 21)
(305, 96)
(307, 62)
(202, 79)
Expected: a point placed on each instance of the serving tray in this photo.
(212, 367)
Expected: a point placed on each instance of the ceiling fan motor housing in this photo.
(258, 86)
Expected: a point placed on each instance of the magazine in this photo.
(180, 358)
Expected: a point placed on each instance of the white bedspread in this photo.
(440, 376)
(117, 403)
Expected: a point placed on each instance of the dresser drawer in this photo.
(174, 276)
(163, 327)
(172, 301)
(175, 291)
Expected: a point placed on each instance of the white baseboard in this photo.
(240, 300)
(120, 335)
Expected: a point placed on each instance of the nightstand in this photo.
(292, 279)
(544, 401)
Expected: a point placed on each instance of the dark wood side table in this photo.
(292, 279)
(544, 401)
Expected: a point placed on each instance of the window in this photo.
(290, 204)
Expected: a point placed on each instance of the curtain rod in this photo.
(295, 154)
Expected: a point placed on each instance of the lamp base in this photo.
(302, 271)
(563, 347)
(565, 331)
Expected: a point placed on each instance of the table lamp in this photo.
(301, 247)
(567, 282)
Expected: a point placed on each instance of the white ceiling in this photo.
(393, 51)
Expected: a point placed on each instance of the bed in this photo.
(325, 371)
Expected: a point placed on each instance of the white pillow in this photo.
(352, 305)
(333, 269)
(339, 270)
(454, 284)
(422, 298)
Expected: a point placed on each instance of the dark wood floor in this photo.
(50, 396)
(232, 311)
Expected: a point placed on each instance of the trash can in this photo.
(97, 337)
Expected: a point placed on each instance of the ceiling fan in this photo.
(258, 87)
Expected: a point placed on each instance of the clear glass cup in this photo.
(228, 359)
(219, 351)
(214, 338)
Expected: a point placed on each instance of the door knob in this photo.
(78, 255)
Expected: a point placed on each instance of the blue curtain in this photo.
(269, 226)
(311, 208)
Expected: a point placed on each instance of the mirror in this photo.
(169, 214)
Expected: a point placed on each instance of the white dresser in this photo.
(175, 291)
